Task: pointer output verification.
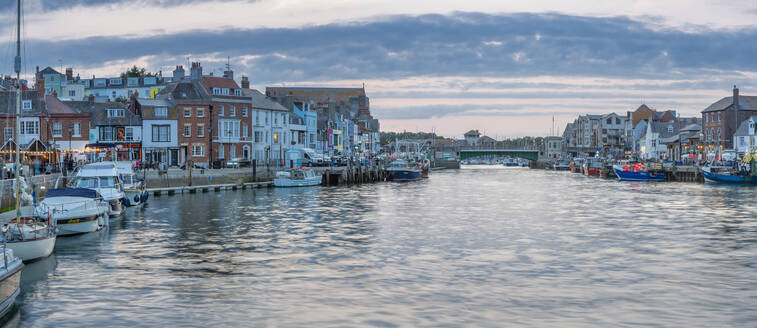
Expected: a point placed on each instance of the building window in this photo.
(72, 93)
(275, 118)
(117, 112)
(220, 110)
(232, 110)
(161, 111)
(220, 152)
(609, 120)
(187, 112)
(57, 130)
(244, 111)
(76, 127)
(244, 131)
(229, 129)
(237, 92)
(161, 133)
(275, 138)
(187, 130)
(258, 136)
(30, 128)
(129, 134)
(198, 150)
(216, 91)
(670, 129)
(7, 134)
(26, 104)
(106, 133)
(200, 130)
(201, 112)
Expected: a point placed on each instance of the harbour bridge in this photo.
(529, 154)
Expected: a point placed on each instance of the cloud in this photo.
(463, 63)
(434, 45)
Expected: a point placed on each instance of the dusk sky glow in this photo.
(503, 67)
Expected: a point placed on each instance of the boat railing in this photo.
(51, 209)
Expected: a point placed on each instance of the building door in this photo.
(246, 152)
(174, 160)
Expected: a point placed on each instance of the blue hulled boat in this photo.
(402, 170)
(723, 175)
(637, 173)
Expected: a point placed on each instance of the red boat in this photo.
(593, 167)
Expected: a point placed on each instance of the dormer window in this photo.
(161, 111)
(216, 91)
(116, 112)
(26, 104)
(237, 92)
(116, 81)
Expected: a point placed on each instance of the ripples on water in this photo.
(479, 246)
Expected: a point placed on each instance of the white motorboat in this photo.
(10, 278)
(104, 178)
(135, 192)
(297, 177)
(74, 210)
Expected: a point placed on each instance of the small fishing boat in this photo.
(104, 178)
(297, 177)
(637, 172)
(511, 162)
(10, 278)
(561, 166)
(135, 192)
(74, 210)
(725, 174)
(576, 166)
(30, 238)
(592, 167)
(402, 170)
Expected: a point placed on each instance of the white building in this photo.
(745, 136)
(270, 127)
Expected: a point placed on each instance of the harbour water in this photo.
(480, 246)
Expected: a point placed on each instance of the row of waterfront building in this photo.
(727, 126)
(197, 117)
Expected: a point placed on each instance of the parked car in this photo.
(238, 162)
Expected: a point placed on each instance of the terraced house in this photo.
(721, 119)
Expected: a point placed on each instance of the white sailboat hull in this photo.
(28, 250)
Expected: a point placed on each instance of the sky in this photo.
(506, 68)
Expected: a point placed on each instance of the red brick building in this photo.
(721, 119)
(193, 119)
(231, 120)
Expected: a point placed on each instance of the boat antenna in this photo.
(17, 66)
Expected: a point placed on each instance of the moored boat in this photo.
(576, 166)
(134, 188)
(297, 177)
(721, 174)
(637, 172)
(402, 170)
(561, 166)
(592, 167)
(74, 210)
(103, 178)
(30, 238)
(10, 279)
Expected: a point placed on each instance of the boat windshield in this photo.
(107, 182)
(87, 182)
(96, 182)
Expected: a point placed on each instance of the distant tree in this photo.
(135, 71)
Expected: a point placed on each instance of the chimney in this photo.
(37, 75)
(228, 74)
(69, 74)
(245, 82)
(196, 71)
(178, 73)
(735, 97)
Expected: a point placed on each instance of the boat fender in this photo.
(136, 199)
(126, 201)
(145, 195)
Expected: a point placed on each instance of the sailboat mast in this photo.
(17, 66)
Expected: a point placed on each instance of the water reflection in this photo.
(478, 246)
